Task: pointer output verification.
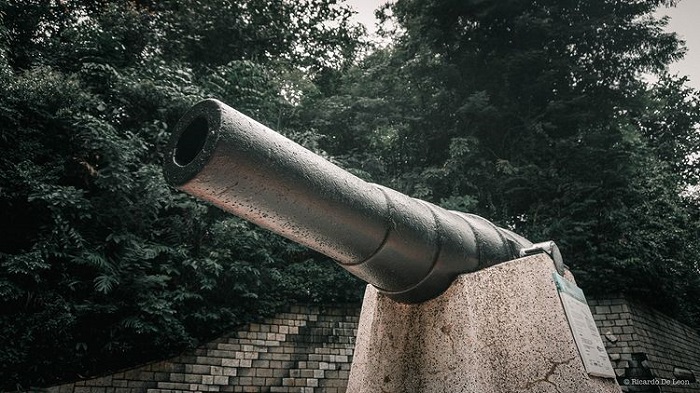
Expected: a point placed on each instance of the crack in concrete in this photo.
(552, 369)
(447, 330)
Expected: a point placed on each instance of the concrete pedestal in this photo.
(502, 329)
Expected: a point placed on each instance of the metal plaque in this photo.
(590, 345)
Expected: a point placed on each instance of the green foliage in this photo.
(535, 116)
(307, 33)
(102, 265)
(531, 114)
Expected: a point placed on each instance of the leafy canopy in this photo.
(102, 265)
(536, 115)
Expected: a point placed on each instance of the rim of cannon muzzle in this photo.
(190, 147)
(409, 249)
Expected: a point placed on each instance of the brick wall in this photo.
(310, 350)
(645, 344)
(305, 350)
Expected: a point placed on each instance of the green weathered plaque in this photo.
(590, 345)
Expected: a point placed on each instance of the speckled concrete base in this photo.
(502, 329)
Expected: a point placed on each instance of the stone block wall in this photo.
(305, 350)
(646, 345)
(310, 349)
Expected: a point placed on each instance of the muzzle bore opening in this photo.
(191, 141)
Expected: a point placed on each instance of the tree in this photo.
(534, 114)
(102, 265)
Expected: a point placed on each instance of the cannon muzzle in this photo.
(409, 249)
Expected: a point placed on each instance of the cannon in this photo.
(409, 249)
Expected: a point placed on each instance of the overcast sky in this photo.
(684, 21)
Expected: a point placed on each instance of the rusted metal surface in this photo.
(409, 249)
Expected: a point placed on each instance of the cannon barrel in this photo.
(409, 249)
